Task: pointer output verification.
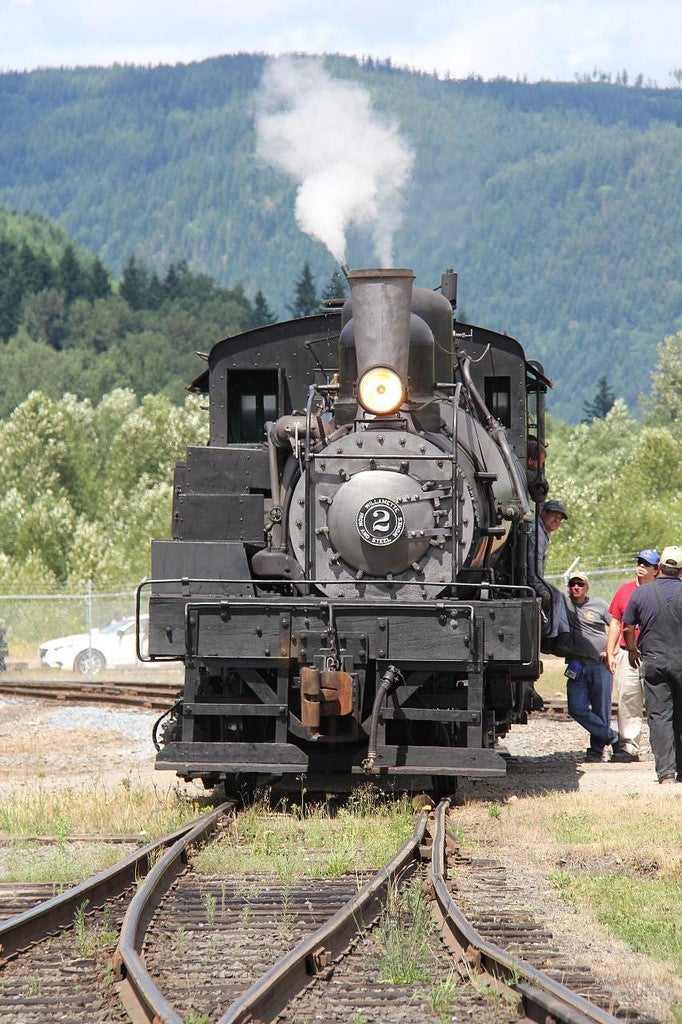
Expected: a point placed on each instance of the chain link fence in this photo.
(103, 623)
(87, 634)
(603, 582)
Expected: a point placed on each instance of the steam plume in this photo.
(350, 165)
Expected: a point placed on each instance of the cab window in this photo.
(252, 401)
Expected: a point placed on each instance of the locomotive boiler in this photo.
(346, 579)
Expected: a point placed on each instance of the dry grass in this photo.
(616, 865)
(584, 828)
(98, 807)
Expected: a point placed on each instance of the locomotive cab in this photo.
(346, 579)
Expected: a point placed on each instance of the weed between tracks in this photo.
(317, 842)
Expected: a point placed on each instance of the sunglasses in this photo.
(576, 583)
(640, 561)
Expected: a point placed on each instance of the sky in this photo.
(535, 39)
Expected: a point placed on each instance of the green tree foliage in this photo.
(105, 475)
(305, 301)
(619, 480)
(335, 287)
(143, 337)
(664, 403)
(559, 203)
(603, 400)
(262, 314)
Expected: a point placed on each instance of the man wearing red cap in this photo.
(627, 680)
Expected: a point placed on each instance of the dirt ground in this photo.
(72, 744)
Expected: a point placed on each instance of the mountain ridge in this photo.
(557, 203)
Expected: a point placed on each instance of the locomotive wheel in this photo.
(240, 787)
(443, 786)
(90, 662)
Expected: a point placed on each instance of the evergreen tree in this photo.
(70, 275)
(306, 301)
(99, 284)
(34, 269)
(262, 314)
(156, 292)
(602, 402)
(335, 288)
(134, 284)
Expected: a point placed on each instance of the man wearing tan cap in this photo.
(656, 609)
(589, 682)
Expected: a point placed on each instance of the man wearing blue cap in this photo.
(628, 681)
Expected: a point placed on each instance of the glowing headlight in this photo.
(380, 391)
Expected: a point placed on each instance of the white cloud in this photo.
(537, 38)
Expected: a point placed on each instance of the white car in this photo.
(112, 646)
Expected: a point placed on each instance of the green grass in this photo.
(319, 843)
(92, 809)
(646, 913)
(403, 935)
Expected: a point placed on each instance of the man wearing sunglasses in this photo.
(589, 682)
(628, 681)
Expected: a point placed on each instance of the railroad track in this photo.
(162, 694)
(149, 694)
(240, 949)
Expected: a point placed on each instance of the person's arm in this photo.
(634, 653)
(612, 643)
(534, 577)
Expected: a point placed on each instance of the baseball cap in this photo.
(555, 506)
(577, 576)
(672, 556)
(650, 556)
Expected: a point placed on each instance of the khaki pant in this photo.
(628, 683)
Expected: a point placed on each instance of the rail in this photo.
(543, 997)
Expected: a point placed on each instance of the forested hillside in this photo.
(558, 204)
(90, 406)
(69, 328)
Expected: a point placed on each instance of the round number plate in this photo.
(380, 521)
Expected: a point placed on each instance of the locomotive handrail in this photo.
(453, 496)
(516, 588)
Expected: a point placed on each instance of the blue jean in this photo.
(589, 703)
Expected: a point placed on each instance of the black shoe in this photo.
(532, 700)
(622, 756)
(596, 756)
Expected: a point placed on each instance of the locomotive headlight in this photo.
(380, 391)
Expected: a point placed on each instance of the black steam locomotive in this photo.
(346, 580)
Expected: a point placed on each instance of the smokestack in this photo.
(381, 302)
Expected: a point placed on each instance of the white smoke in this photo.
(350, 164)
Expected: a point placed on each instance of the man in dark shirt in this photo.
(555, 629)
(656, 608)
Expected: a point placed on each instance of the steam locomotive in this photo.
(346, 580)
